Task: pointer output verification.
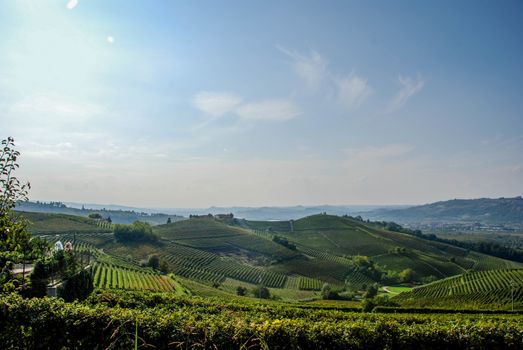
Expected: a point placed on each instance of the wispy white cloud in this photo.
(52, 108)
(350, 90)
(216, 104)
(312, 67)
(353, 90)
(110, 39)
(409, 87)
(275, 110)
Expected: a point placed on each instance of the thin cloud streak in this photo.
(311, 68)
(218, 104)
(274, 110)
(351, 91)
(409, 87)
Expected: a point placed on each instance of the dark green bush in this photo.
(107, 320)
(136, 232)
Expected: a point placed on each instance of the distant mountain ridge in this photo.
(494, 211)
(127, 214)
(117, 216)
(244, 212)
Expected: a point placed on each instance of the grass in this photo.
(395, 290)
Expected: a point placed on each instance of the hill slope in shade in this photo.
(501, 211)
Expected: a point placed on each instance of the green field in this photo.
(395, 290)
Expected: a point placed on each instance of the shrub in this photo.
(136, 232)
(77, 287)
(261, 292)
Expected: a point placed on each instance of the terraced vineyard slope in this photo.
(44, 223)
(328, 242)
(300, 255)
(483, 289)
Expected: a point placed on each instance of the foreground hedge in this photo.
(425, 310)
(54, 324)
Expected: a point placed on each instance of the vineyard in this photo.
(306, 283)
(44, 223)
(485, 262)
(208, 267)
(484, 288)
(324, 255)
(114, 319)
(329, 241)
(118, 277)
(210, 252)
(111, 271)
(358, 281)
(213, 236)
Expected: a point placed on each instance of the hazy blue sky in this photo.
(198, 103)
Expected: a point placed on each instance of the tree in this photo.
(138, 231)
(407, 275)
(164, 267)
(154, 262)
(367, 267)
(371, 291)
(328, 294)
(77, 286)
(11, 190)
(39, 279)
(261, 292)
(241, 291)
(325, 291)
(14, 237)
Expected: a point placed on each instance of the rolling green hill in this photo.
(322, 238)
(45, 223)
(216, 236)
(296, 256)
(324, 250)
(484, 289)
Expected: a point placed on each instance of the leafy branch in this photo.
(11, 189)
